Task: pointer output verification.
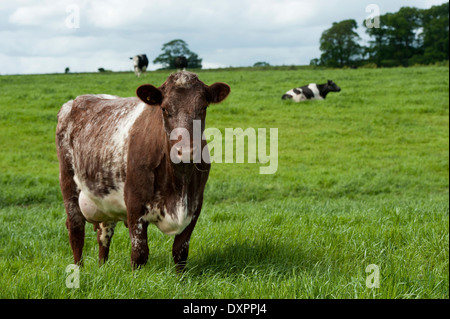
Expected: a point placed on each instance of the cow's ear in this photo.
(218, 92)
(330, 82)
(149, 94)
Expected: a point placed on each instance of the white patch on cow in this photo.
(184, 79)
(121, 134)
(296, 97)
(135, 61)
(109, 208)
(65, 110)
(135, 242)
(172, 223)
(313, 87)
(88, 208)
(63, 113)
(138, 70)
(107, 230)
(107, 96)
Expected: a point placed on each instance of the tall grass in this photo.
(362, 179)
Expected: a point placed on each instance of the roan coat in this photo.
(115, 164)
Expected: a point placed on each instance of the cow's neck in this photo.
(323, 90)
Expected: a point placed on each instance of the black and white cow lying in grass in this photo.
(311, 92)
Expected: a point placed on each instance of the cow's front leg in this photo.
(137, 227)
(135, 200)
(180, 248)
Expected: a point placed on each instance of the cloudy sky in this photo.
(46, 36)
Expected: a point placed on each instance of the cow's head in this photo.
(333, 86)
(183, 98)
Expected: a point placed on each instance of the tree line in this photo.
(407, 37)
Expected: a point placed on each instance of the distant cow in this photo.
(140, 63)
(115, 164)
(181, 63)
(311, 92)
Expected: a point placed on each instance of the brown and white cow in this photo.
(115, 164)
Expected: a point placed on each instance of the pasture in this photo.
(362, 179)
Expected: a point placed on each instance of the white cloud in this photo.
(212, 65)
(281, 14)
(114, 14)
(45, 14)
(36, 38)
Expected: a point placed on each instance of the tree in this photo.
(339, 44)
(378, 49)
(435, 35)
(397, 40)
(173, 49)
(261, 64)
(406, 37)
(402, 34)
(314, 62)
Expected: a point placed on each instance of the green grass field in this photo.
(362, 179)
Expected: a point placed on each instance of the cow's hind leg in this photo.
(75, 221)
(105, 231)
(75, 225)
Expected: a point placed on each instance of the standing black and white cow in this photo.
(311, 91)
(140, 63)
